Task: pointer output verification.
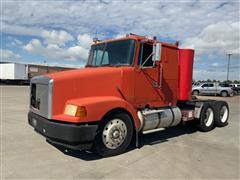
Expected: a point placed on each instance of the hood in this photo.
(86, 82)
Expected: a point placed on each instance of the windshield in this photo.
(112, 53)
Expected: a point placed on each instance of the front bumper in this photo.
(73, 136)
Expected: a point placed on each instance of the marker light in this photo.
(73, 110)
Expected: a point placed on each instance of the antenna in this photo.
(95, 39)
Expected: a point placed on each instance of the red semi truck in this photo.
(130, 85)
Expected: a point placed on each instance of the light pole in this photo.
(229, 56)
(45, 62)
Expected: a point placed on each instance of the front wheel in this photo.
(114, 135)
(195, 93)
(224, 94)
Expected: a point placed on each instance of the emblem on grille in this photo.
(37, 103)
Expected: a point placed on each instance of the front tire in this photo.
(195, 93)
(221, 113)
(206, 120)
(114, 135)
(224, 94)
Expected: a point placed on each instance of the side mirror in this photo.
(157, 49)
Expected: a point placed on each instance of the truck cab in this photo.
(130, 85)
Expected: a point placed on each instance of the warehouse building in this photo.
(19, 73)
(36, 69)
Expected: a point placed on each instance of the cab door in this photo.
(157, 83)
(212, 88)
(146, 78)
(204, 88)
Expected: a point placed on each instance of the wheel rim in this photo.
(195, 93)
(224, 114)
(114, 133)
(208, 117)
(224, 94)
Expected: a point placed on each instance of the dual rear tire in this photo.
(213, 114)
(221, 113)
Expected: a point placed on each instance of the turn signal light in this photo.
(73, 110)
(81, 111)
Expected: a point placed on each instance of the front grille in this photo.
(41, 96)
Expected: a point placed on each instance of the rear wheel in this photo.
(114, 135)
(224, 94)
(206, 120)
(195, 93)
(221, 113)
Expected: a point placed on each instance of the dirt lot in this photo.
(173, 153)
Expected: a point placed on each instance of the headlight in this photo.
(74, 110)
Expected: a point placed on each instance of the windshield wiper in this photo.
(113, 65)
(90, 65)
(102, 65)
(122, 64)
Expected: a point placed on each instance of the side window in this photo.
(205, 85)
(210, 85)
(145, 55)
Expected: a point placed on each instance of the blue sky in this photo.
(61, 32)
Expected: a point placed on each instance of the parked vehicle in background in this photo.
(13, 73)
(213, 89)
(196, 84)
(235, 87)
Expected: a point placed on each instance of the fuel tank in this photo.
(159, 118)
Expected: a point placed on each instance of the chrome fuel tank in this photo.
(159, 118)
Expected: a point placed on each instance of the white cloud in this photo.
(220, 38)
(215, 64)
(17, 29)
(54, 47)
(84, 40)
(8, 54)
(57, 37)
(77, 52)
(56, 52)
(13, 42)
(177, 20)
(34, 46)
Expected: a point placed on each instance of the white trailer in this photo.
(13, 73)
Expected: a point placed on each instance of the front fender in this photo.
(97, 107)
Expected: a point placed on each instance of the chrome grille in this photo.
(41, 96)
